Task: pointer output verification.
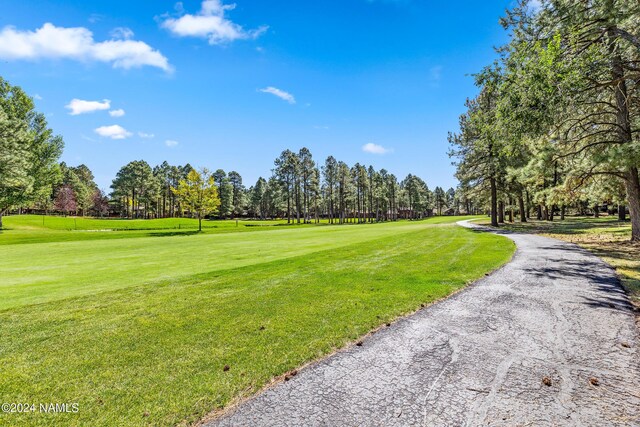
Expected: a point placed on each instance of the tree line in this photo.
(555, 124)
(298, 188)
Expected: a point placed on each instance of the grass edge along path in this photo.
(156, 354)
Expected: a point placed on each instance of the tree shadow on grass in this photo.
(608, 243)
(611, 294)
(173, 233)
(569, 226)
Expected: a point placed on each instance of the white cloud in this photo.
(79, 106)
(210, 23)
(117, 113)
(37, 97)
(279, 93)
(121, 33)
(145, 135)
(375, 149)
(113, 132)
(170, 143)
(95, 17)
(77, 43)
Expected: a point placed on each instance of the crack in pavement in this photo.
(480, 356)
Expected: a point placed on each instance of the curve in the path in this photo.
(549, 339)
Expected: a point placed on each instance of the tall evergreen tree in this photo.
(29, 151)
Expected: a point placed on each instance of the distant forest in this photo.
(299, 188)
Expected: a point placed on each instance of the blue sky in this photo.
(379, 82)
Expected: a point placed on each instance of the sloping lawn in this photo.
(47, 229)
(37, 273)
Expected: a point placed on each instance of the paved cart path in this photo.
(480, 357)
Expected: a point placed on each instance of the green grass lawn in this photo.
(88, 223)
(41, 229)
(138, 330)
(605, 236)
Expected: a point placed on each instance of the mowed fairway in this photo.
(138, 330)
(36, 273)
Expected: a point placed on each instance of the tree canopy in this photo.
(198, 194)
(29, 151)
(555, 123)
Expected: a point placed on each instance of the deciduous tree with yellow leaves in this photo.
(198, 194)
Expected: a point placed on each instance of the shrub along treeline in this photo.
(299, 188)
(557, 119)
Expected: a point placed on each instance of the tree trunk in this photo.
(563, 210)
(288, 207)
(298, 207)
(622, 212)
(539, 213)
(199, 224)
(510, 209)
(633, 196)
(623, 121)
(523, 214)
(501, 212)
(596, 211)
(0, 220)
(494, 203)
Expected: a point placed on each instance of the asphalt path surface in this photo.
(548, 340)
